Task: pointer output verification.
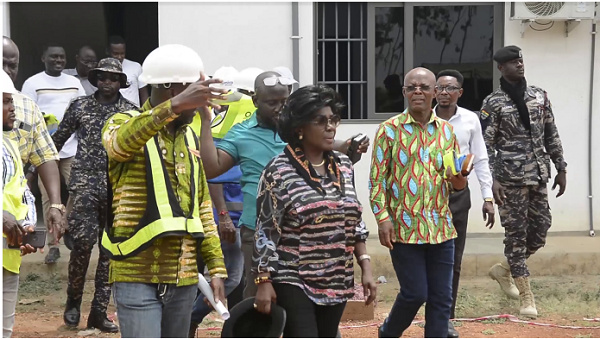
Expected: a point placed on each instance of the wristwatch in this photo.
(59, 207)
(489, 200)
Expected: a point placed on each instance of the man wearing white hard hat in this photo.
(162, 214)
(18, 210)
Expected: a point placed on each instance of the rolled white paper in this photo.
(208, 293)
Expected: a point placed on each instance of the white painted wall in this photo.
(258, 35)
(4, 15)
(230, 34)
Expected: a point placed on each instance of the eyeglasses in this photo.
(109, 76)
(449, 89)
(90, 63)
(323, 121)
(412, 89)
(272, 81)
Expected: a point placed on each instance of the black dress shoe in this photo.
(72, 313)
(100, 321)
(193, 329)
(452, 332)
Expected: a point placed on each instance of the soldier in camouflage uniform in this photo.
(521, 138)
(86, 116)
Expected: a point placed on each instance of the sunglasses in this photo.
(109, 76)
(412, 89)
(272, 81)
(323, 121)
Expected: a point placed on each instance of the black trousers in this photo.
(460, 203)
(305, 319)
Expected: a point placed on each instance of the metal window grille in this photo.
(342, 53)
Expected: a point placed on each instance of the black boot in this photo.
(100, 321)
(452, 332)
(72, 312)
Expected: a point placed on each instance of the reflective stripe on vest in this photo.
(12, 202)
(163, 215)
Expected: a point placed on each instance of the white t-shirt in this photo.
(133, 71)
(53, 95)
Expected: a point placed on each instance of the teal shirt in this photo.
(251, 147)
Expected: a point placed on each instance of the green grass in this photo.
(34, 285)
(570, 297)
(488, 331)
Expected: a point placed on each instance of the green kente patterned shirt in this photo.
(170, 260)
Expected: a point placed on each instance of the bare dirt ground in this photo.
(560, 301)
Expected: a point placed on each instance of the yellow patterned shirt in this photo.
(170, 260)
(30, 132)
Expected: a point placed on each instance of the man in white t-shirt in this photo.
(136, 92)
(85, 60)
(53, 91)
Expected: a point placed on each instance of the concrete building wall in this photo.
(559, 64)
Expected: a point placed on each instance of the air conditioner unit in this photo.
(552, 10)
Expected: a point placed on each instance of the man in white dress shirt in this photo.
(52, 91)
(470, 139)
(136, 92)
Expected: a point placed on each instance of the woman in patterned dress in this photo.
(309, 221)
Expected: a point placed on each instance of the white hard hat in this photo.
(245, 78)
(228, 75)
(7, 84)
(285, 72)
(171, 64)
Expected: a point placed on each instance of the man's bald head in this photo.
(10, 58)
(269, 100)
(85, 49)
(85, 61)
(259, 84)
(419, 89)
(421, 72)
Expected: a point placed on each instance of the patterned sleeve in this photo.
(43, 149)
(490, 124)
(551, 138)
(211, 245)
(124, 135)
(29, 200)
(270, 210)
(380, 163)
(68, 125)
(361, 231)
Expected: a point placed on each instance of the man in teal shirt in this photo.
(252, 144)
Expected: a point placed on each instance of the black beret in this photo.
(507, 53)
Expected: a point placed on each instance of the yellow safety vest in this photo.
(163, 215)
(237, 112)
(12, 202)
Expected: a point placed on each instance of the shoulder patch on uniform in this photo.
(483, 114)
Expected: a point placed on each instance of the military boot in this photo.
(501, 273)
(100, 321)
(527, 302)
(72, 312)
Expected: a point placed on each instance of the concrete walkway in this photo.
(564, 254)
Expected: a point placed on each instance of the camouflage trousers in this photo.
(526, 219)
(86, 223)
